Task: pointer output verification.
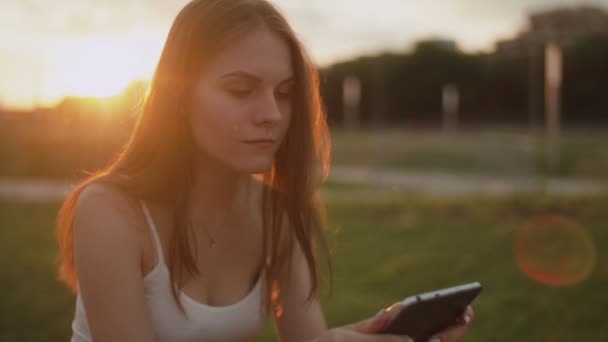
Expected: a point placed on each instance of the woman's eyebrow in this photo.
(252, 77)
(242, 74)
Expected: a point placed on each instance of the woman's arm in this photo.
(300, 320)
(305, 322)
(107, 257)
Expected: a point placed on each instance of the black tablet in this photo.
(428, 313)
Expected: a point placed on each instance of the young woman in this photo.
(208, 219)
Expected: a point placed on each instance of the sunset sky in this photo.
(95, 47)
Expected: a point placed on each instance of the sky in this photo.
(50, 49)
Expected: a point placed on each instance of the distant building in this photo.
(565, 26)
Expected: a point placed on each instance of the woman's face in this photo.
(242, 102)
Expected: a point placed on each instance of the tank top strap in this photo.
(157, 245)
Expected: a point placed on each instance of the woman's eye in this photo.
(284, 94)
(240, 92)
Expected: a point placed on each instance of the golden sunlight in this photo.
(97, 66)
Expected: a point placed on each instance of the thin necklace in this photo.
(211, 242)
(210, 239)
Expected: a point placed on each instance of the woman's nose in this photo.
(268, 111)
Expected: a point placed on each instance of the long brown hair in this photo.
(157, 163)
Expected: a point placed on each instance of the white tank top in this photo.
(241, 321)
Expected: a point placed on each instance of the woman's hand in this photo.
(451, 334)
(364, 331)
(368, 330)
(457, 331)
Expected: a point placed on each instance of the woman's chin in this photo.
(258, 167)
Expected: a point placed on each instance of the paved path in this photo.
(35, 190)
(461, 184)
(422, 182)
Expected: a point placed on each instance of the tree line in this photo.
(407, 87)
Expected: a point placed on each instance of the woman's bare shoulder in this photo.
(107, 259)
(107, 203)
(105, 215)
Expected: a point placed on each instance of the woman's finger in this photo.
(451, 334)
(467, 316)
(470, 312)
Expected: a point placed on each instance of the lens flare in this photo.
(554, 251)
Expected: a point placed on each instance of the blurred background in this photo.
(470, 143)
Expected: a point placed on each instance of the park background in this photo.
(470, 143)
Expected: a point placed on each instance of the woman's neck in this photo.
(219, 193)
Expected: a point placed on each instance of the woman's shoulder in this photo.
(104, 212)
(107, 249)
(100, 198)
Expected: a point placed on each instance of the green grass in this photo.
(342, 185)
(384, 249)
(497, 150)
(500, 151)
(34, 306)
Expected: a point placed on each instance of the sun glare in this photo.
(97, 66)
(99, 70)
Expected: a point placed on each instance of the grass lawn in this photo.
(500, 151)
(384, 249)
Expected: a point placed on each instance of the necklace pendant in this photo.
(211, 243)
